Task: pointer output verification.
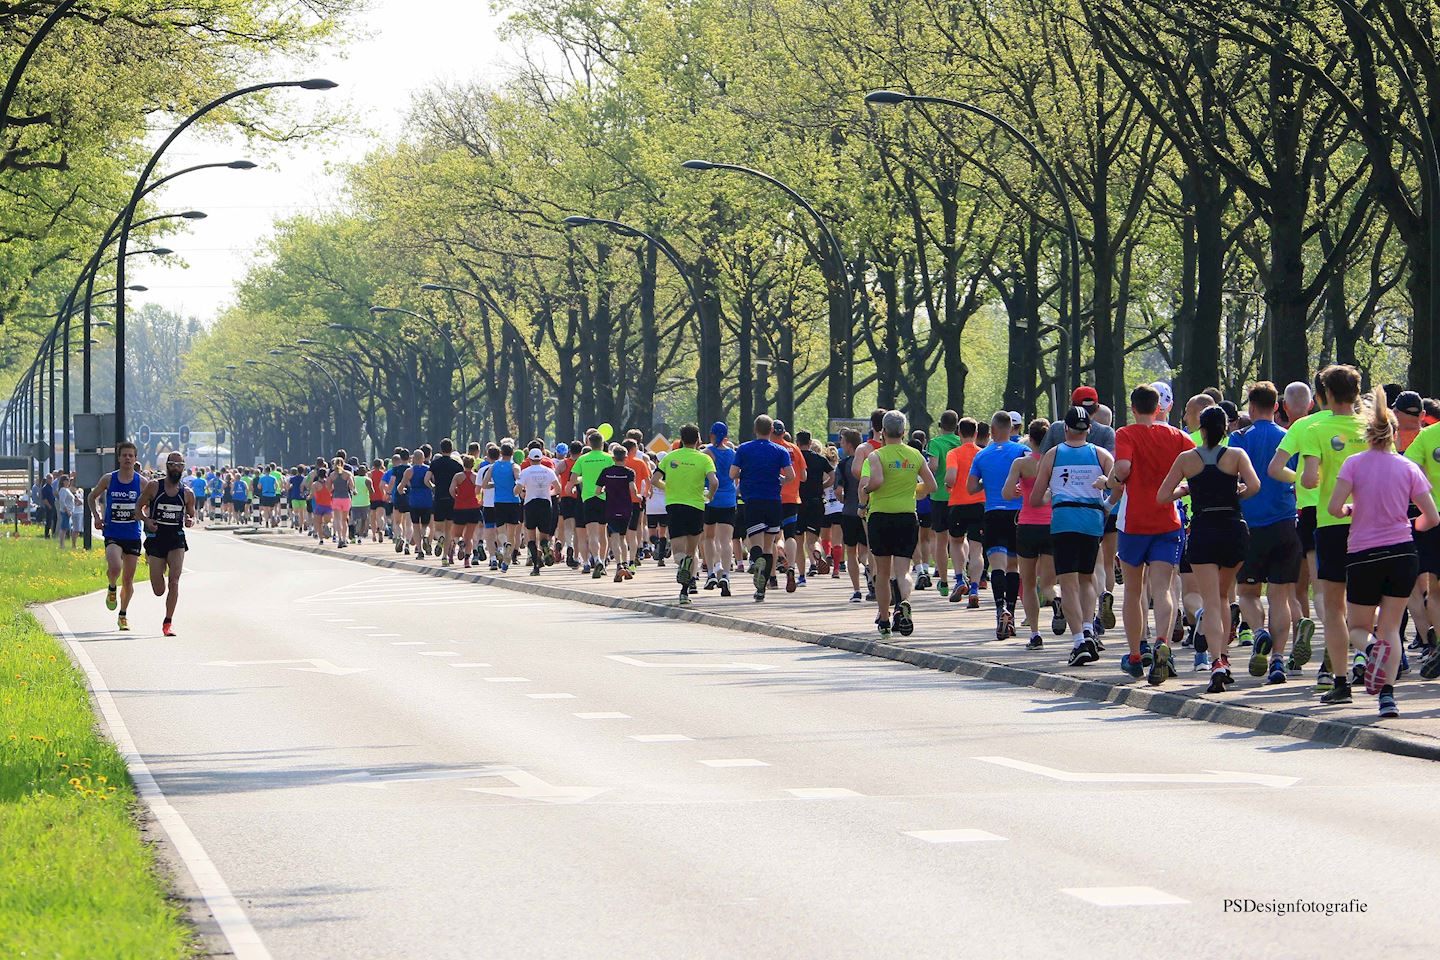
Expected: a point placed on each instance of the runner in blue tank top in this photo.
(119, 523)
(720, 511)
(419, 487)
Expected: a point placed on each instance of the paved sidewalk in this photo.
(951, 638)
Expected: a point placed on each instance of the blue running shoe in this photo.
(1202, 661)
(1277, 672)
(1132, 666)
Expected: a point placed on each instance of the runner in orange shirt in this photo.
(966, 518)
(638, 463)
(789, 546)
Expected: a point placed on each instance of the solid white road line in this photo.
(507, 679)
(551, 696)
(822, 793)
(607, 715)
(229, 915)
(438, 653)
(951, 836)
(657, 737)
(1123, 896)
(738, 762)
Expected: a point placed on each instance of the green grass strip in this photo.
(76, 879)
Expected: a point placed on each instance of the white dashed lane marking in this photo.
(606, 715)
(1124, 896)
(658, 737)
(738, 762)
(822, 793)
(952, 836)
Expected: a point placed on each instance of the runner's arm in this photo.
(147, 505)
(1429, 519)
(713, 483)
(973, 484)
(1011, 489)
(93, 499)
(927, 483)
(1041, 490)
(1337, 505)
(1279, 468)
(877, 473)
(787, 474)
(1171, 489)
(1247, 474)
(1311, 477)
(189, 507)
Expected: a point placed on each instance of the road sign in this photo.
(14, 463)
(185, 435)
(143, 436)
(219, 435)
(846, 423)
(41, 451)
(659, 444)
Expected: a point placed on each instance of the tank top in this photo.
(466, 493)
(1075, 505)
(321, 492)
(1214, 494)
(239, 491)
(342, 487)
(1029, 514)
(168, 509)
(421, 496)
(122, 508)
(502, 475)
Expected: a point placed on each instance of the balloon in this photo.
(606, 432)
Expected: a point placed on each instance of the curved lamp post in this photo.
(449, 348)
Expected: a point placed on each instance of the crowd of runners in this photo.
(1235, 531)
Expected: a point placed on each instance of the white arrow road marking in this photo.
(365, 778)
(630, 660)
(316, 666)
(1208, 777)
(527, 786)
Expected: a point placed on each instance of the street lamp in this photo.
(339, 398)
(1070, 291)
(376, 311)
(129, 213)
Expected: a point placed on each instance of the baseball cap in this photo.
(537, 455)
(1077, 418)
(1231, 411)
(1167, 397)
(1409, 402)
(779, 426)
(1084, 395)
(719, 430)
(561, 449)
(1016, 419)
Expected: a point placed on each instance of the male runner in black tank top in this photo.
(167, 507)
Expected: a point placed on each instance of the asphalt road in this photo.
(387, 765)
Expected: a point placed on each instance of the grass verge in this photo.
(76, 879)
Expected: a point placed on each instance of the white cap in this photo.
(1016, 419)
(537, 455)
(1167, 397)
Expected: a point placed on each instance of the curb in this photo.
(1340, 733)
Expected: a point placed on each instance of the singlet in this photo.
(342, 485)
(1075, 505)
(122, 508)
(724, 458)
(487, 494)
(502, 475)
(322, 492)
(1214, 494)
(239, 490)
(900, 464)
(1028, 514)
(421, 496)
(168, 510)
(465, 492)
(361, 497)
(297, 484)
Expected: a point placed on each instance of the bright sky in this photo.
(404, 46)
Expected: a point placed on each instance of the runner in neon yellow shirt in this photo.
(688, 478)
(894, 476)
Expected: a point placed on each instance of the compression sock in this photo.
(1012, 589)
(997, 587)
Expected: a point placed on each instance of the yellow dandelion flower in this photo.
(74, 781)
(102, 778)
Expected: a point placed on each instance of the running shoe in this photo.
(1278, 673)
(122, 622)
(682, 571)
(959, 594)
(684, 596)
(596, 572)
(1097, 628)
(903, 624)
(627, 572)
(619, 572)
(1057, 617)
(1004, 624)
(1404, 667)
(535, 571)
(800, 580)
(467, 562)
(1357, 666)
(1160, 666)
(1107, 610)
(870, 594)
(883, 626)
(711, 582)
(1202, 661)
(1119, 576)
(1388, 709)
(1178, 632)
(167, 628)
(1340, 693)
(1374, 676)
(790, 582)
(1132, 665)
(855, 597)
(549, 555)
(110, 600)
(922, 581)
(974, 597)
(1324, 682)
(504, 566)
(1430, 669)
(1220, 677)
(1235, 624)
(724, 586)
(1246, 638)
(1260, 653)
(1084, 653)
(942, 588)
(1304, 633)
(1037, 642)
(985, 580)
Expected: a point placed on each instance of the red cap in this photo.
(1084, 395)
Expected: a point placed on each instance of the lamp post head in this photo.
(337, 326)
(376, 311)
(305, 341)
(577, 221)
(698, 165)
(161, 252)
(193, 215)
(252, 363)
(231, 366)
(431, 287)
(886, 97)
(101, 323)
(242, 165)
(318, 83)
(137, 287)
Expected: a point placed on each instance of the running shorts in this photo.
(1427, 547)
(966, 520)
(617, 526)
(658, 521)
(130, 548)
(852, 530)
(1000, 531)
(789, 515)
(340, 503)
(569, 508)
(593, 511)
(811, 517)
(504, 513)
(1331, 552)
(1074, 552)
(537, 514)
(1380, 572)
(1223, 543)
(378, 505)
(269, 501)
(160, 544)
(737, 529)
(549, 528)
(421, 517)
(402, 503)
(685, 521)
(939, 515)
(636, 512)
(465, 517)
(1138, 549)
(714, 515)
(1273, 554)
(763, 516)
(1032, 540)
(322, 510)
(893, 534)
(444, 509)
(298, 505)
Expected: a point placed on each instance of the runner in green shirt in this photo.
(592, 502)
(1424, 450)
(937, 450)
(1326, 444)
(894, 475)
(360, 505)
(688, 478)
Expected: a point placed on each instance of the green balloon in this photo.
(606, 432)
